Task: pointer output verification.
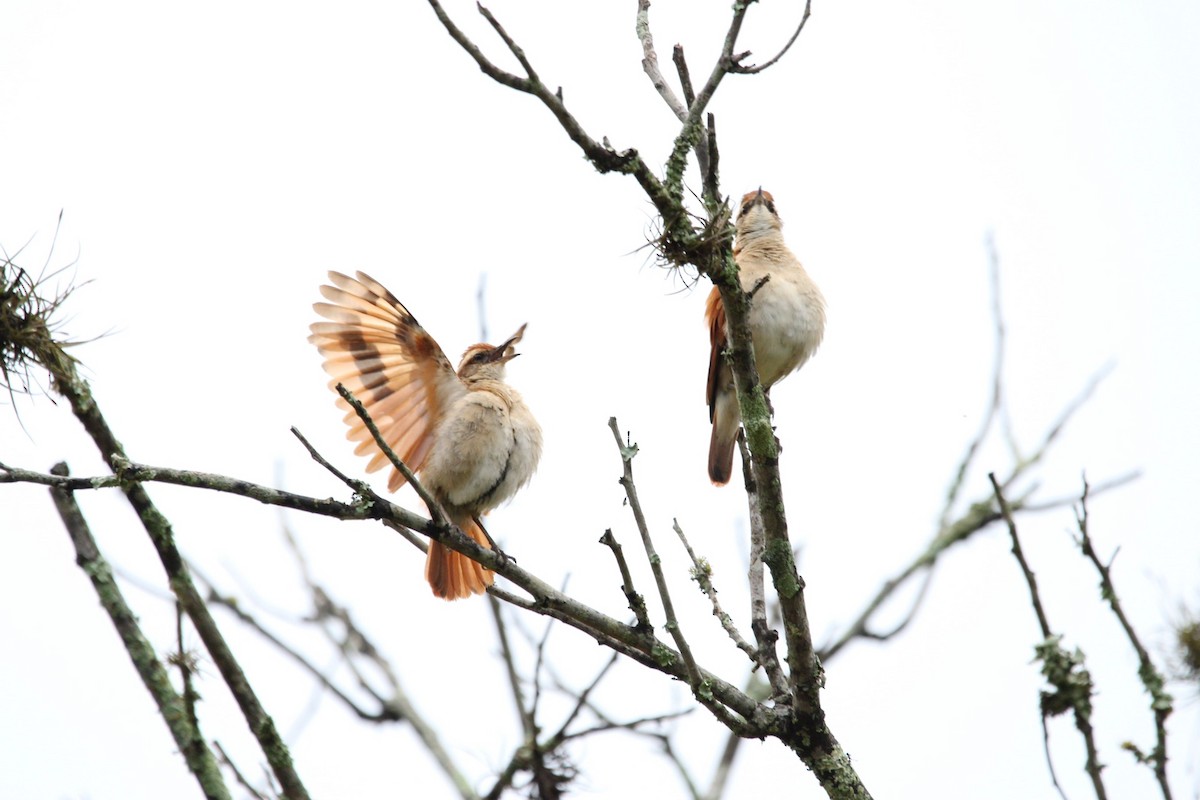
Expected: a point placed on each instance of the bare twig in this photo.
(716, 788)
(224, 758)
(979, 515)
(685, 75)
(1060, 423)
(217, 598)
(744, 70)
(1065, 672)
(637, 603)
(702, 575)
(367, 495)
(528, 724)
(650, 65)
(602, 157)
(628, 451)
(996, 399)
(764, 635)
(1161, 702)
(185, 661)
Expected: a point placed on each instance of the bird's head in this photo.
(757, 214)
(486, 362)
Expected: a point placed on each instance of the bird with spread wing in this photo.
(466, 433)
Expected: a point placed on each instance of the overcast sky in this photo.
(211, 163)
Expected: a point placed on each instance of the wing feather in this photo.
(374, 346)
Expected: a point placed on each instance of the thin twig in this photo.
(218, 598)
(996, 396)
(1050, 758)
(1064, 671)
(1030, 579)
(795, 35)
(685, 75)
(224, 758)
(650, 63)
(716, 788)
(628, 451)
(637, 603)
(364, 491)
(185, 662)
(978, 516)
(764, 635)
(650, 66)
(1161, 702)
(702, 575)
(510, 666)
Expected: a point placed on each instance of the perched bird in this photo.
(787, 321)
(467, 433)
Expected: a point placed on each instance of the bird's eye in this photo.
(770, 207)
(478, 358)
(746, 209)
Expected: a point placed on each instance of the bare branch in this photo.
(628, 451)
(685, 75)
(510, 665)
(603, 158)
(223, 757)
(764, 635)
(983, 512)
(1061, 422)
(217, 598)
(1161, 702)
(637, 603)
(1065, 672)
(650, 63)
(172, 707)
(756, 69)
(702, 575)
(724, 764)
(996, 401)
(68, 383)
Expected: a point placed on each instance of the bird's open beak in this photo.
(507, 351)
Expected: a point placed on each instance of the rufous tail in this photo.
(452, 575)
(725, 424)
(720, 458)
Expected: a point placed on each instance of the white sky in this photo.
(213, 162)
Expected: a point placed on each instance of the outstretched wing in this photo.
(377, 349)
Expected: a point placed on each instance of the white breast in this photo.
(787, 317)
(487, 448)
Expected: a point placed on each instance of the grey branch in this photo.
(171, 706)
(1070, 680)
(699, 690)
(744, 70)
(1161, 702)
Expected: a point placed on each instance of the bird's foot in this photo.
(503, 556)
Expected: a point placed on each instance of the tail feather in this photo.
(725, 423)
(453, 576)
(720, 458)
